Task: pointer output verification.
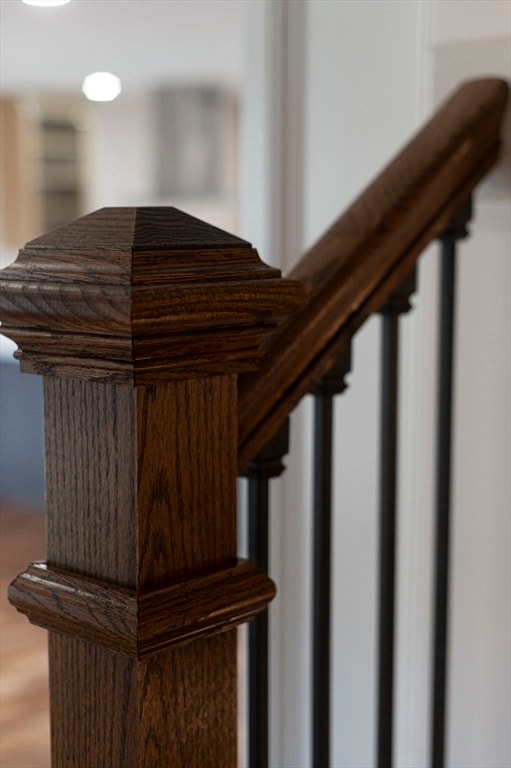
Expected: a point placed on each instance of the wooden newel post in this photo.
(139, 321)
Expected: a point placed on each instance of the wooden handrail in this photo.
(140, 321)
(350, 272)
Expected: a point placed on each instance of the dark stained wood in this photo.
(140, 319)
(353, 268)
(185, 429)
(90, 467)
(113, 455)
(121, 231)
(106, 299)
(174, 449)
(140, 623)
(172, 709)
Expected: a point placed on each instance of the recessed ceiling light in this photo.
(46, 3)
(101, 86)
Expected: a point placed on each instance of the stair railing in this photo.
(140, 322)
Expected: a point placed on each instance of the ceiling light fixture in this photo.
(101, 86)
(46, 3)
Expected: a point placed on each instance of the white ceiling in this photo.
(146, 43)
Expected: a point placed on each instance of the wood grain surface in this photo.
(351, 271)
(141, 493)
(139, 320)
(138, 294)
(172, 709)
(141, 623)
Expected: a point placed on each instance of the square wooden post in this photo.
(139, 321)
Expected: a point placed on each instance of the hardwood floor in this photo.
(24, 720)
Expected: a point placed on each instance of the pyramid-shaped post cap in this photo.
(141, 294)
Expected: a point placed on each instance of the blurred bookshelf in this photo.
(43, 166)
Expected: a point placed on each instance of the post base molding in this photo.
(137, 624)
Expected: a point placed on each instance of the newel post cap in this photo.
(134, 295)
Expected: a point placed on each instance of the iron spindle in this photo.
(331, 384)
(266, 465)
(258, 641)
(457, 230)
(397, 304)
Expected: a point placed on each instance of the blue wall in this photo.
(21, 436)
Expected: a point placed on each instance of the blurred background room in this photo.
(266, 118)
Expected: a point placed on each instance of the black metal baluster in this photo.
(331, 384)
(456, 231)
(266, 465)
(398, 303)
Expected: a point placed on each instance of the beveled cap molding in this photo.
(140, 294)
(134, 623)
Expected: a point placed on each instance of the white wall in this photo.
(480, 704)
(145, 42)
(343, 86)
(461, 20)
(362, 100)
(368, 81)
(470, 37)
